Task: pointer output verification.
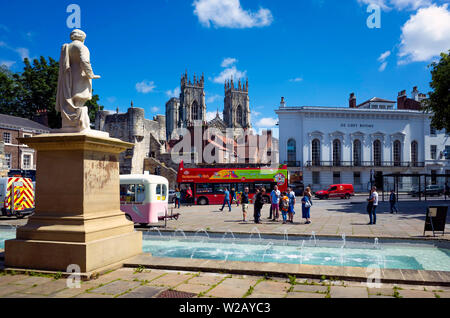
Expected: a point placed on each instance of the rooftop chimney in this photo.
(283, 103)
(41, 117)
(352, 100)
(401, 100)
(415, 94)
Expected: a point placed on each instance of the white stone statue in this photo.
(75, 84)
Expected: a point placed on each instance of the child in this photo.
(284, 205)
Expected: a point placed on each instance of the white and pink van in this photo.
(144, 198)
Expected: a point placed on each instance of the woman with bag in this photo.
(306, 205)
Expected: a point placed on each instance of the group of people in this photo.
(281, 203)
(186, 197)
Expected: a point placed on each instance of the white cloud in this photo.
(425, 35)
(174, 93)
(229, 73)
(230, 14)
(296, 80)
(384, 56)
(266, 122)
(382, 66)
(145, 87)
(256, 114)
(154, 109)
(398, 4)
(213, 98)
(23, 52)
(8, 64)
(228, 61)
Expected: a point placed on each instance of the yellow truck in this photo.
(16, 197)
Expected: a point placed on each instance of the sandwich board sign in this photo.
(435, 219)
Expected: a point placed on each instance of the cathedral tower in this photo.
(236, 112)
(192, 101)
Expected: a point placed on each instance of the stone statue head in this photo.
(77, 35)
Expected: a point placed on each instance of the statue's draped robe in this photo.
(74, 86)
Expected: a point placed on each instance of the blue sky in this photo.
(312, 52)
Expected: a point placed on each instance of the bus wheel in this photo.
(202, 201)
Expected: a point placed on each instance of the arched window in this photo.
(377, 153)
(196, 111)
(336, 152)
(397, 153)
(291, 150)
(357, 152)
(316, 152)
(414, 153)
(239, 115)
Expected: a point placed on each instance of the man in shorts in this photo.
(244, 202)
(275, 200)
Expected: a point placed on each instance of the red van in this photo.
(343, 191)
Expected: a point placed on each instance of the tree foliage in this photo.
(439, 99)
(23, 94)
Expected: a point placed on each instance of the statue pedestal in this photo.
(78, 219)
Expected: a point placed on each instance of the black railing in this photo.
(293, 163)
(402, 164)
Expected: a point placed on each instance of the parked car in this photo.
(343, 191)
(171, 196)
(430, 190)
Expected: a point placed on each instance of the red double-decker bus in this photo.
(208, 184)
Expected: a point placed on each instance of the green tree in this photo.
(35, 89)
(439, 99)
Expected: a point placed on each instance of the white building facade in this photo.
(331, 145)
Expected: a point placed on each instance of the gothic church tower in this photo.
(192, 109)
(236, 112)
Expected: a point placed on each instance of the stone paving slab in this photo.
(171, 280)
(7, 279)
(305, 295)
(207, 280)
(143, 292)
(10, 289)
(47, 288)
(232, 288)
(271, 287)
(191, 288)
(310, 288)
(33, 280)
(92, 295)
(416, 294)
(381, 291)
(116, 287)
(348, 292)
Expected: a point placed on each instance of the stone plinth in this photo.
(78, 218)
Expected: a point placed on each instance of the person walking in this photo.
(177, 198)
(226, 200)
(393, 202)
(291, 212)
(306, 205)
(259, 203)
(275, 199)
(189, 196)
(233, 197)
(244, 203)
(372, 206)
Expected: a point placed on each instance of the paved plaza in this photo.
(143, 283)
(329, 218)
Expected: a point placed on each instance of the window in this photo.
(357, 177)
(316, 177)
(27, 135)
(336, 177)
(432, 131)
(433, 177)
(8, 160)
(414, 153)
(316, 152)
(291, 150)
(132, 193)
(196, 112)
(7, 137)
(26, 162)
(397, 153)
(239, 115)
(377, 153)
(204, 188)
(433, 151)
(336, 152)
(447, 152)
(357, 152)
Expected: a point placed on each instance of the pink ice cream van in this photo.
(143, 198)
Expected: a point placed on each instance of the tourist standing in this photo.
(275, 199)
(177, 198)
(284, 206)
(393, 202)
(244, 202)
(259, 202)
(372, 206)
(189, 196)
(306, 205)
(291, 212)
(226, 200)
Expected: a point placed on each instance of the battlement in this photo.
(197, 81)
(229, 86)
